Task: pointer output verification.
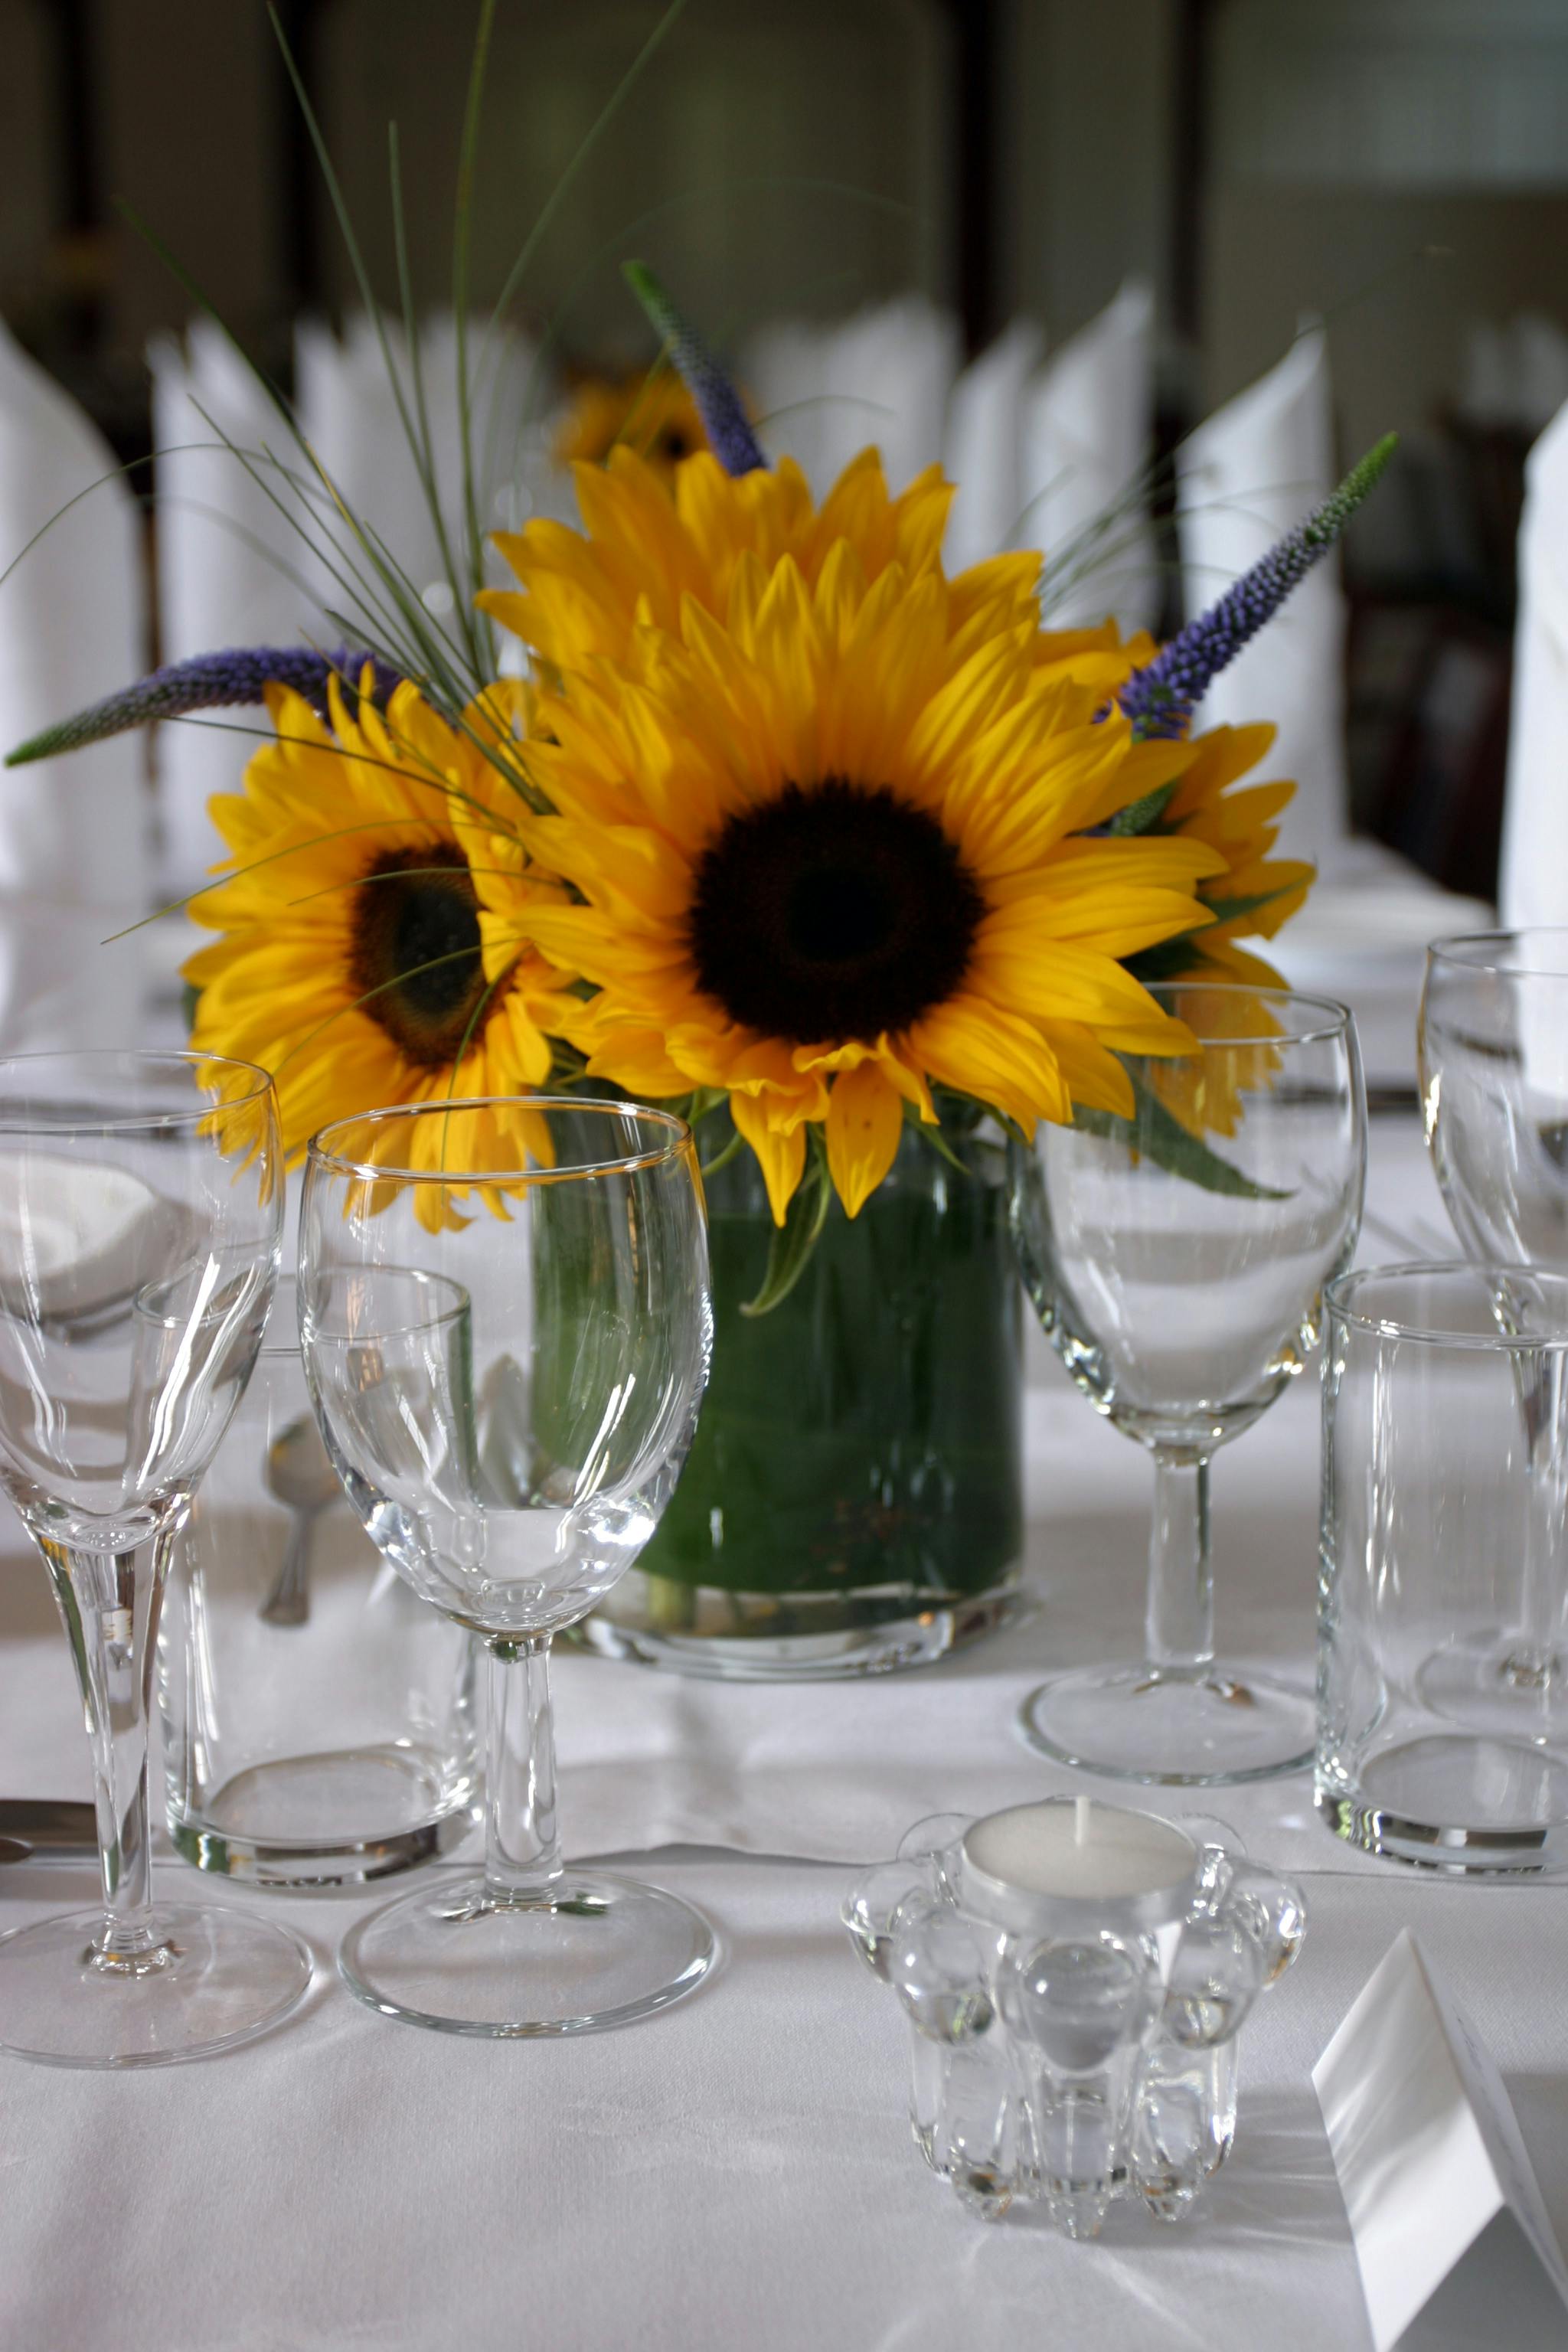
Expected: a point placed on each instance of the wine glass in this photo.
(505, 1317)
(1492, 1045)
(1177, 1259)
(141, 1199)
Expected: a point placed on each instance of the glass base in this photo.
(1467, 1806)
(877, 1646)
(214, 1979)
(1500, 1682)
(602, 1951)
(1205, 1729)
(340, 1819)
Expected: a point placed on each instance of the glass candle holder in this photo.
(318, 1718)
(1442, 1703)
(1074, 1976)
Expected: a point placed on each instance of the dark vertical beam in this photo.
(1190, 164)
(79, 193)
(300, 270)
(974, 99)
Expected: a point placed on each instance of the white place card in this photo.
(1451, 2234)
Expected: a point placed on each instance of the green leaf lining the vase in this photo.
(1158, 1135)
(789, 1252)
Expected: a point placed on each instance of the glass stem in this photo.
(522, 1852)
(110, 1603)
(1179, 1627)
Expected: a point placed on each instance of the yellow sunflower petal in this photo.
(864, 1122)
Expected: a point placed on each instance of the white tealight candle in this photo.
(1077, 1851)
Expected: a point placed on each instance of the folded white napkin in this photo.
(349, 410)
(983, 451)
(1255, 467)
(885, 376)
(230, 568)
(1534, 879)
(74, 848)
(1086, 423)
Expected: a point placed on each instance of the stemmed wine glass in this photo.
(505, 1317)
(1177, 1259)
(1493, 1044)
(141, 1199)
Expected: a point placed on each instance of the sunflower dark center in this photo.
(416, 959)
(831, 914)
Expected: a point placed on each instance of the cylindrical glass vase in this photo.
(853, 1500)
(318, 1718)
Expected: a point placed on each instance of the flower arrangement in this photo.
(787, 823)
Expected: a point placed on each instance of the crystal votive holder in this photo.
(1074, 1976)
(317, 1719)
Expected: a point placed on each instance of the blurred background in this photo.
(1043, 241)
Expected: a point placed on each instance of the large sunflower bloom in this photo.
(820, 802)
(371, 949)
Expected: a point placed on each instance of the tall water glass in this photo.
(1431, 1480)
(1177, 1259)
(141, 1197)
(505, 1317)
(1493, 1047)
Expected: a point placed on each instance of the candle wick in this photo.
(1080, 1820)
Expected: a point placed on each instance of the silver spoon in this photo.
(301, 1477)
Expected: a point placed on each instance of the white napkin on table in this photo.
(226, 555)
(74, 831)
(1086, 425)
(983, 456)
(885, 376)
(349, 412)
(1255, 467)
(1533, 878)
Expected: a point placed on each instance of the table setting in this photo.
(752, 1351)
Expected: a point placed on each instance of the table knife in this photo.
(42, 1829)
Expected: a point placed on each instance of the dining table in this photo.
(738, 2171)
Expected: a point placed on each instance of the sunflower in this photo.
(655, 415)
(372, 951)
(818, 803)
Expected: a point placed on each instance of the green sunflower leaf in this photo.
(789, 1252)
(1158, 1135)
(1230, 911)
(1138, 816)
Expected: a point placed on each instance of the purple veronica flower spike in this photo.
(208, 682)
(1160, 699)
(730, 436)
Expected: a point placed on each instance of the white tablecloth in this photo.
(738, 2173)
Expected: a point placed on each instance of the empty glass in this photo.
(1493, 1045)
(317, 1719)
(1433, 1483)
(1177, 1259)
(140, 1196)
(505, 1317)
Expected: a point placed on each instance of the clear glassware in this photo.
(1436, 1489)
(1075, 1977)
(1182, 1298)
(505, 1316)
(318, 1718)
(1493, 1041)
(141, 1199)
